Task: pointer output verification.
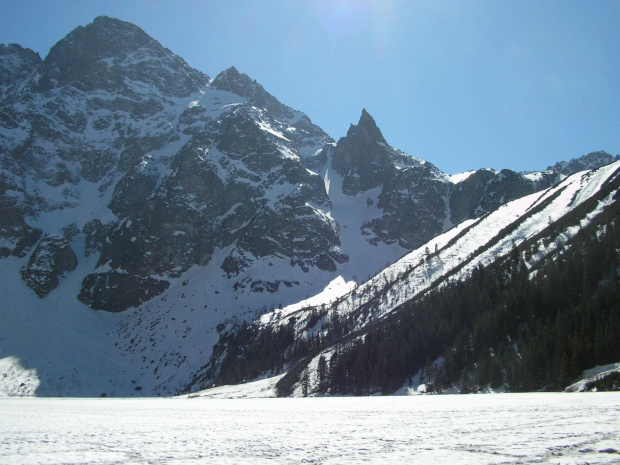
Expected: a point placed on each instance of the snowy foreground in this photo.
(501, 428)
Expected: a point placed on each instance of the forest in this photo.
(504, 326)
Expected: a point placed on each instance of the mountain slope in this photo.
(546, 222)
(142, 168)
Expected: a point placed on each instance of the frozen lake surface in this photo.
(466, 429)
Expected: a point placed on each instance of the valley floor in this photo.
(464, 429)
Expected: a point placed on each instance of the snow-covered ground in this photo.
(473, 429)
(594, 374)
(259, 389)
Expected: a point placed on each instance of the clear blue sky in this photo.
(463, 84)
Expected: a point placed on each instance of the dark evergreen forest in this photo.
(500, 327)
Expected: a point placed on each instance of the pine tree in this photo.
(321, 371)
(305, 383)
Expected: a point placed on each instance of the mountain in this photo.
(529, 290)
(145, 207)
(586, 162)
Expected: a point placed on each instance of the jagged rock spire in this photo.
(363, 156)
(367, 129)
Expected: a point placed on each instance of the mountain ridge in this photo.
(320, 331)
(141, 196)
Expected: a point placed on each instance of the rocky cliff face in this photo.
(416, 201)
(16, 64)
(52, 259)
(181, 165)
(363, 158)
(156, 168)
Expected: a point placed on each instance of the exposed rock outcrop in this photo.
(51, 260)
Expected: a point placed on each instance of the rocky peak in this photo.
(589, 161)
(106, 37)
(52, 259)
(367, 129)
(231, 80)
(16, 63)
(363, 157)
(85, 46)
(103, 53)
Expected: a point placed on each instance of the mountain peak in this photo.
(366, 117)
(16, 49)
(234, 72)
(363, 157)
(108, 21)
(102, 38)
(83, 50)
(367, 129)
(16, 63)
(107, 52)
(231, 80)
(585, 162)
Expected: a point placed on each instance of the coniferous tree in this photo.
(321, 371)
(305, 383)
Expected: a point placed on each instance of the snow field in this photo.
(473, 429)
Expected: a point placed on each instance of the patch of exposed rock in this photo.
(51, 260)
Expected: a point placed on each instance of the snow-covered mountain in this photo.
(472, 243)
(145, 206)
(589, 161)
(532, 230)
